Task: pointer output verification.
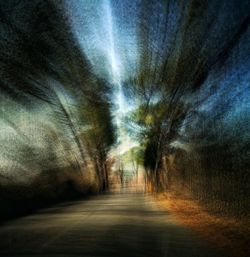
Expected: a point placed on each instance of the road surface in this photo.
(119, 225)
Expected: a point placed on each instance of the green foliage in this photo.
(64, 117)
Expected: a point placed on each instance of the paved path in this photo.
(116, 225)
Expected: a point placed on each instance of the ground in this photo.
(121, 224)
(231, 235)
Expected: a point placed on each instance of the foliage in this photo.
(55, 112)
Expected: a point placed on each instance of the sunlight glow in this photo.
(125, 142)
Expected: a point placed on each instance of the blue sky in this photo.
(110, 45)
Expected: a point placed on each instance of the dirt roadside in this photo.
(231, 236)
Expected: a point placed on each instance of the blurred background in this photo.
(102, 94)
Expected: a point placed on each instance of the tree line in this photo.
(56, 113)
(192, 77)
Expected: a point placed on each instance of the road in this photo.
(119, 225)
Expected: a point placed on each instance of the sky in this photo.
(108, 33)
(125, 39)
(110, 45)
